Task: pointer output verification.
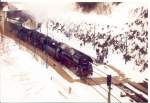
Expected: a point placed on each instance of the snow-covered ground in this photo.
(23, 78)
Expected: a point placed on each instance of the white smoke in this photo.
(42, 10)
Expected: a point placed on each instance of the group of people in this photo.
(131, 43)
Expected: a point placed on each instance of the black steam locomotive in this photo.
(75, 60)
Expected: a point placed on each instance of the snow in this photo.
(127, 69)
(24, 78)
(20, 79)
(105, 70)
(23, 81)
(115, 93)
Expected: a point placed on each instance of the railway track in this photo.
(132, 94)
(129, 92)
(99, 69)
(98, 91)
(140, 86)
(91, 80)
(103, 91)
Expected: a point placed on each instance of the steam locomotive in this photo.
(76, 61)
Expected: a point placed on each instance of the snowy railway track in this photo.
(103, 91)
(101, 86)
(94, 65)
(97, 73)
(132, 94)
(137, 97)
(98, 91)
(140, 86)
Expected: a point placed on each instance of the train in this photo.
(77, 62)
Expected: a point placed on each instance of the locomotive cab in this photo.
(85, 68)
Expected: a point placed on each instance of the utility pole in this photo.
(2, 23)
(109, 87)
(3, 19)
(5, 9)
(45, 47)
